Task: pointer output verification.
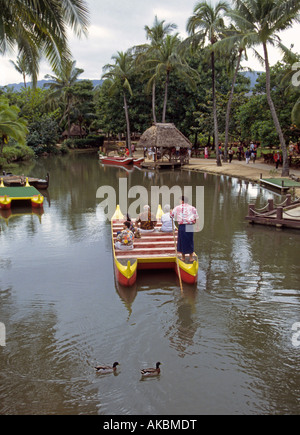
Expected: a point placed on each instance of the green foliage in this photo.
(17, 153)
(90, 141)
(43, 135)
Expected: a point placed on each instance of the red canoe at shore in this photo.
(116, 160)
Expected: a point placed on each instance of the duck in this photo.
(107, 369)
(151, 371)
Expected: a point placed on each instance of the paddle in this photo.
(177, 259)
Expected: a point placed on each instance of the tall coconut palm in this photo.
(22, 66)
(234, 46)
(207, 23)
(169, 58)
(264, 19)
(119, 74)
(40, 28)
(10, 124)
(156, 35)
(66, 75)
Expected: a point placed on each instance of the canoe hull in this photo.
(116, 161)
(5, 203)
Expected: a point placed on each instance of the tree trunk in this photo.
(285, 165)
(166, 97)
(216, 132)
(128, 125)
(153, 102)
(230, 103)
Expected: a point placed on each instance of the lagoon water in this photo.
(227, 345)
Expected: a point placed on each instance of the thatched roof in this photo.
(75, 131)
(163, 136)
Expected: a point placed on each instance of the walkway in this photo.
(239, 169)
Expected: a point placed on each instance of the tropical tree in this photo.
(22, 66)
(264, 20)
(10, 124)
(169, 58)
(119, 74)
(207, 23)
(60, 88)
(233, 46)
(156, 35)
(40, 28)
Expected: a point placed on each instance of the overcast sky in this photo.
(117, 25)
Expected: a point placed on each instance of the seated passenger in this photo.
(147, 220)
(125, 238)
(166, 220)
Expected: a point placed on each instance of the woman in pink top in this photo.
(186, 216)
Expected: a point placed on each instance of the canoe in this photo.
(116, 160)
(11, 180)
(153, 251)
(138, 161)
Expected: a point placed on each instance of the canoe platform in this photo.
(26, 193)
(153, 251)
(284, 215)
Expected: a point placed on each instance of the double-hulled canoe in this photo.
(153, 251)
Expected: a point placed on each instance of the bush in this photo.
(43, 135)
(17, 153)
(91, 141)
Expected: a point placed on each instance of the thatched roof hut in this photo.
(76, 132)
(164, 136)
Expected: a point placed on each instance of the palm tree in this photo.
(119, 74)
(66, 76)
(208, 23)
(40, 28)
(169, 58)
(233, 45)
(263, 20)
(10, 124)
(156, 35)
(21, 66)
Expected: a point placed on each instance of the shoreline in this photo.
(240, 169)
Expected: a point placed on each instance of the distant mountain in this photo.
(253, 76)
(40, 84)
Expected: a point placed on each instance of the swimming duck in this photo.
(151, 371)
(107, 369)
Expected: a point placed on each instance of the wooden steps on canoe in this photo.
(151, 245)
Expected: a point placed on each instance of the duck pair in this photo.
(144, 372)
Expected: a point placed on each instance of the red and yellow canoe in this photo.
(153, 251)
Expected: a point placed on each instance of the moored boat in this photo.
(116, 160)
(10, 180)
(153, 251)
(138, 161)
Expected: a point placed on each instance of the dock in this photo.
(161, 165)
(284, 215)
(282, 184)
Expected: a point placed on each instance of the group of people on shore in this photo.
(185, 215)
